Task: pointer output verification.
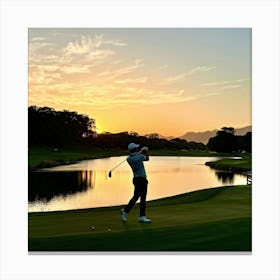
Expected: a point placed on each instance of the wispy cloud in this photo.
(200, 69)
(221, 83)
(226, 84)
(173, 79)
(76, 56)
(91, 47)
(36, 39)
(176, 78)
(141, 80)
(37, 45)
(230, 87)
(138, 63)
(183, 76)
(75, 69)
(102, 79)
(115, 43)
(104, 74)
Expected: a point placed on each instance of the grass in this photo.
(238, 165)
(187, 153)
(40, 156)
(217, 219)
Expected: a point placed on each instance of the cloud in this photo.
(103, 74)
(48, 68)
(176, 78)
(211, 84)
(225, 85)
(132, 81)
(200, 69)
(100, 41)
(182, 76)
(173, 79)
(109, 96)
(102, 82)
(90, 47)
(37, 45)
(75, 69)
(230, 87)
(115, 43)
(86, 49)
(36, 39)
(221, 83)
(138, 63)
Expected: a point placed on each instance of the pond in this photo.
(86, 184)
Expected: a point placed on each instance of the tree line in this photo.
(226, 141)
(49, 127)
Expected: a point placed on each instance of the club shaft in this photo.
(117, 165)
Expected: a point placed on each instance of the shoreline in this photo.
(232, 165)
(172, 197)
(44, 157)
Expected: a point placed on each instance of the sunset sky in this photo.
(166, 81)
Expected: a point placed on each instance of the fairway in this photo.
(216, 219)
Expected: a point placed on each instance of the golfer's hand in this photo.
(144, 150)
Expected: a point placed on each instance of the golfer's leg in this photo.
(133, 200)
(143, 198)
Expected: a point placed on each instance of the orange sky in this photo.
(167, 81)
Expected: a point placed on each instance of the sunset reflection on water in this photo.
(86, 184)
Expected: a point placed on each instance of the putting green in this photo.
(217, 219)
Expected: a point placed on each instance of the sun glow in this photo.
(134, 81)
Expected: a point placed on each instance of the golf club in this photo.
(110, 172)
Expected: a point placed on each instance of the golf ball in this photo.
(92, 227)
(109, 229)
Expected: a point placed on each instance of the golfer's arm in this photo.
(146, 155)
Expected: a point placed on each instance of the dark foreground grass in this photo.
(217, 219)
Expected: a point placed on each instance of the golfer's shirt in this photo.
(135, 161)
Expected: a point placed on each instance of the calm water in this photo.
(86, 184)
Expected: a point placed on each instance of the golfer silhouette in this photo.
(140, 182)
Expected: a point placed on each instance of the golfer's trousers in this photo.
(140, 190)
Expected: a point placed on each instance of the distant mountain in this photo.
(203, 137)
(165, 137)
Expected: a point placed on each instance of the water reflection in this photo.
(44, 186)
(86, 184)
(225, 176)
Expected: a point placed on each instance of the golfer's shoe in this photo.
(144, 219)
(123, 215)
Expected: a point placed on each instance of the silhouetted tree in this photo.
(224, 141)
(58, 128)
(244, 143)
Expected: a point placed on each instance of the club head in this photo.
(110, 174)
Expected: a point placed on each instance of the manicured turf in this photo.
(217, 219)
(239, 165)
(40, 156)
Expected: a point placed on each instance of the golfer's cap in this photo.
(132, 146)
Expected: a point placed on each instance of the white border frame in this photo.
(17, 16)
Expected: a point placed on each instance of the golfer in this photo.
(140, 181)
